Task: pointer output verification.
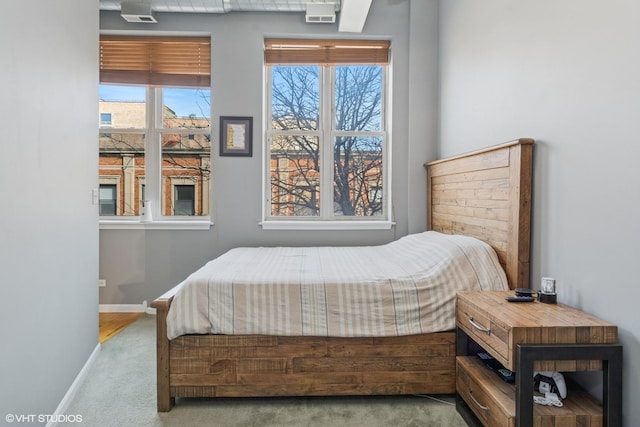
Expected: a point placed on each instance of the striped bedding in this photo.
(401, 288)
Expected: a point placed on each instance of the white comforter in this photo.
(402, 288)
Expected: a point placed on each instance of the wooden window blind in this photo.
(161, 61)
(326, 52)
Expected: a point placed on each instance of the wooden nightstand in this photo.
(528, 337)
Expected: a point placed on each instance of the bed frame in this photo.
(485, 194)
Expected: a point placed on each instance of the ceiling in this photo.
(222, 6)
(352, 16)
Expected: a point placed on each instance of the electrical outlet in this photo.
(102, 283)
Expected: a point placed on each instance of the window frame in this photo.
(153, 175)
(327, 133)
(176, 185)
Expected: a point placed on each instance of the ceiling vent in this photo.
(322, 13)
(137, 12)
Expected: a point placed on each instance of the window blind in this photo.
(326, 52)
(162, 61)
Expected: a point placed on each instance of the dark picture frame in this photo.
(236, 136)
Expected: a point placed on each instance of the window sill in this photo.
(326, 225)
(169, 224)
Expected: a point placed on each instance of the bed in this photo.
(482, 196)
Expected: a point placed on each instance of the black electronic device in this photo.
(550, 382)
(524, 292)
(516, 298)
(497, 367)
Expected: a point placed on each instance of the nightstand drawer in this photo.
(485, 331)
(479, 391)
(499, 326)
(493, 400)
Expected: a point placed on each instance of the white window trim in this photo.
(327, 225)
(134, 223)
(290, 223)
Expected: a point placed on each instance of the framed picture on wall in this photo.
(236, 136)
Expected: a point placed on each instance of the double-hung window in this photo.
(155, 130)
(327, 162)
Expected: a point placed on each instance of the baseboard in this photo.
(62, 408)
(126, 308)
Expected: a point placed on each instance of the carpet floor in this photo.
(120, 390)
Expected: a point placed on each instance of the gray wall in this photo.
(48, 226)
(423, 101)
(565, 73)
(141, 264)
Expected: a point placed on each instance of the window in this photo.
(328, 150)
(184, 199)
(157, 143)
(108, 199)
(105, 119)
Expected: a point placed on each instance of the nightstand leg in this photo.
(612, 389)
(462, 343)
(524, 387)
(610, 354)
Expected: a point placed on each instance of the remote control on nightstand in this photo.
(517, 298)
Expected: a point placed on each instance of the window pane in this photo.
(121, 153)
(186, 156)
(358, 98)
(186, 108)
(125, 106)
(295, 99)
(186, 162)
(357, 186)
(295, 176)
(122, 159)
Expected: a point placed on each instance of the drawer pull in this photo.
(481, 406)
(479, 327)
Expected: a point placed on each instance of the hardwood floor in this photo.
(110, 324)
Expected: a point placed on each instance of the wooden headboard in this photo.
(486, 194)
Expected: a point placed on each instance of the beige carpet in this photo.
(120, 391)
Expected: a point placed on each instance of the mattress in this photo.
(405, 287)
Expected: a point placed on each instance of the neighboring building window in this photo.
(327, 142)
(159, 124)
(184, 200)
(105, 119)
(108, 199)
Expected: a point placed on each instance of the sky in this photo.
(183, 101)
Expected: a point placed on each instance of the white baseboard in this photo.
(75, 386)
(126, 308)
